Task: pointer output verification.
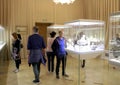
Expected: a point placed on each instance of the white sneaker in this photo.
(16, 70)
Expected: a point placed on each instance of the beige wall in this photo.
(27, 12)
(100, 9)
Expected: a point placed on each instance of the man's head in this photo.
(35, 29)
(61, 33)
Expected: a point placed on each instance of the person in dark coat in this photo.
(16, 51)
(36, 47)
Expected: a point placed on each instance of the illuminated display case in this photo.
(85, 40)
(114, 38)
(2, 37)
(55, 28)
(74, 72)
(85, 36)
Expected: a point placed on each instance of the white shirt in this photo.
(49, 44)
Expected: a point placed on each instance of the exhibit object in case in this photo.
(85, 36)
(114, 38)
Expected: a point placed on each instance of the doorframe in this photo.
(45, 24)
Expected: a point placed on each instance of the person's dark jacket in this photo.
(55, 46)
(35, 45)
(19, 36)
(16, 46)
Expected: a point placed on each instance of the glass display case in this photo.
(84, 40)
(55, 28)
(2, 37)
(114, 38)
(85, 36)
(74, 73)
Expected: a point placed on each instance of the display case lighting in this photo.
(55, 26)
(1, 28)
(87, 23)
(91, 23)
(116, 16)
(63, 1)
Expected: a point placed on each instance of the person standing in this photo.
(16, 51)
(58, 47)
(116, 46)
(19, 35)
(36, 49)
(117, 39)
(50, 53)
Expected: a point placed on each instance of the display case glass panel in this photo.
(74, 73)
(2, 37)
(114, 39)
(2, 34)
(55, 28)
(85, 36)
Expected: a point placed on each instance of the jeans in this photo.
(50, 56)
(17, 63)
(36, 70)
(63, 59)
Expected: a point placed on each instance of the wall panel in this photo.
(27, 12)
